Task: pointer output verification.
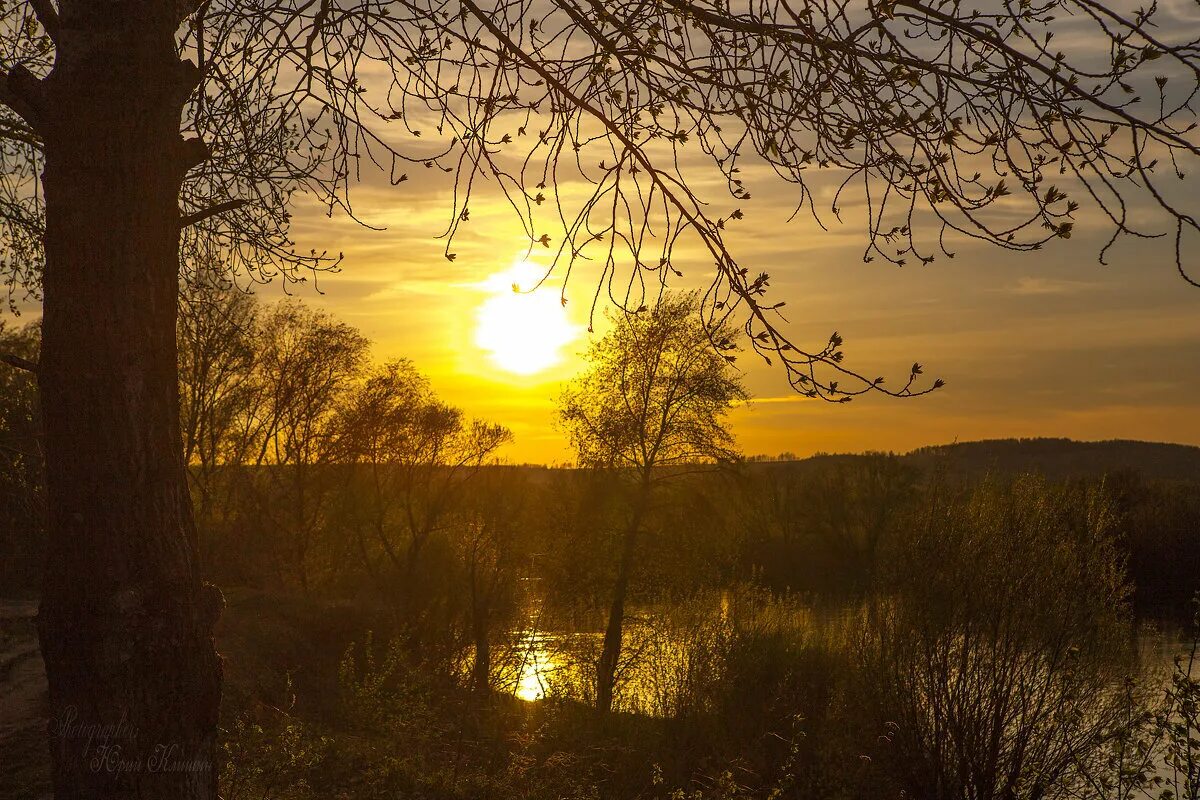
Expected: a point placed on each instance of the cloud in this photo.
(1028, 287)
(788, 398)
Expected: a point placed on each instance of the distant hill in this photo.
(1061, 458)
(1054, 458)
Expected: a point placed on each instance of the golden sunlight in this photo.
(537, 664)
(522, 329)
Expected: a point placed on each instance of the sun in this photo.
(522, 331)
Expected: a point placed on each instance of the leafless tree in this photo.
(854, 506)
(22, 499)
(487, 529)
(218, 339)
(306, 364)
(994, 654)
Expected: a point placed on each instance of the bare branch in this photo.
(186, 8)
(23, 92)
(931, 123)
(47, 15)
(16, 362)
(187, 220)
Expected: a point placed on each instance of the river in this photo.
(553, 660)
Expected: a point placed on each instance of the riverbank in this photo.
(317, 700)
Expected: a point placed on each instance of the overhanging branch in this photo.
(16, 362)
(47, 15)
(22, 91)
(211, 211)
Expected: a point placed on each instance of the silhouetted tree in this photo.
(419, 453)
(651, 404)
(218, 341)
(488, 528)
(852, 507)
(994, 652)
(305, 366)
(22, 500)
(141, 134)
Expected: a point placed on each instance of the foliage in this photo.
(915, 588)
(420, 454)
(218, 338)
(655, 393)
(1154, 749)
(651, 406)
(269, 761)
(824, 530)
(22, 511)
(936, 118)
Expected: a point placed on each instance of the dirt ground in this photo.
(24, 769)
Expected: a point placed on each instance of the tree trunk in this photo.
(300, 541)
(125, 623)
(610, 654)
(481, 670)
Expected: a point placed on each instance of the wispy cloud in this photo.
(1030, 286)
(789, 398)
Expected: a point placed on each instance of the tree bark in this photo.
(125, 622)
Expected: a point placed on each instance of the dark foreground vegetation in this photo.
(405, 618)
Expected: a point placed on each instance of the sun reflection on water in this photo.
(536, 666)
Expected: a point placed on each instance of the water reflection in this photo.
(538, 662)
(665, 648)
(557, 662)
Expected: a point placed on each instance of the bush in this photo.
(995, 649)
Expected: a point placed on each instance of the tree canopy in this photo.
(655, 395)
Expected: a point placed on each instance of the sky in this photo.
(1051, 343)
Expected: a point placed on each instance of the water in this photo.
(557, 663)
(665, 647)
(540, 664)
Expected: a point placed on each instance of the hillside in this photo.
(1060, 458)
(1054, 458)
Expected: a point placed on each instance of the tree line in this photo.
(313, 469)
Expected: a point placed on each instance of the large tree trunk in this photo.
(125, 623)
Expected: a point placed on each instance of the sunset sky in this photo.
(1042, 344)
(1030, 344)
(1051, 343)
